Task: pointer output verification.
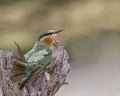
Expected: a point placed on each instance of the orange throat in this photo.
(48, 40)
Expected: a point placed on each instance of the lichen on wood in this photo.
(46, 84)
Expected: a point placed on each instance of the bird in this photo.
(30, 66)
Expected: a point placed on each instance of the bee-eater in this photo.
(30, 66)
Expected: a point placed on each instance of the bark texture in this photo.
(46, 85)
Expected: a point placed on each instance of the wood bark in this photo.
(46, 85)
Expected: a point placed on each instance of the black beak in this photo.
(58, 31)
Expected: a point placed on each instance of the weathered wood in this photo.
(46, 85)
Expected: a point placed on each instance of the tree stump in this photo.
(47, 84)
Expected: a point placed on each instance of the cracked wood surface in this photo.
(46, 85)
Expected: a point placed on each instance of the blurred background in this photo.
(92, 38)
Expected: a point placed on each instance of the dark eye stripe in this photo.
(47, 34)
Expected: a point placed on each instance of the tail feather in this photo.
(19, 63)
(18, 77)
(18, 66)
(22, 70)
(19, 70)
(18, 52)
(27, 72)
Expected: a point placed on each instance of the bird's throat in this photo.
(47, 40)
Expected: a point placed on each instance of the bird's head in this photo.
(48, 36)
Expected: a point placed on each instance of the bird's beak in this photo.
(58, 31)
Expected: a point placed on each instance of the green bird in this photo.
(30, 66)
